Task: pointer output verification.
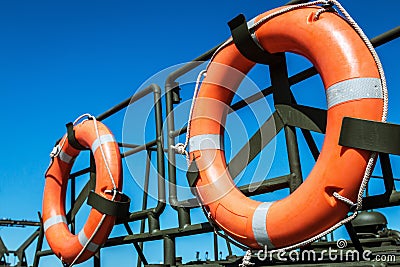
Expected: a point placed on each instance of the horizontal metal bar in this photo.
(266, 186)
(80, 172)
(139, 215)
(139, 148)
(191, 65)
(190, 203)
(386, 37)
(295, 2)
(251, 99)
(120, 144)
(125, 103)
(381, 201)
(173, 232)
(44, 253)
(22, 223)
(178, 132)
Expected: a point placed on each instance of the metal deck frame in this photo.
(307, 119)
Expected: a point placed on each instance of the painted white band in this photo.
(53, 221)
(65, 157)
(102, 140)
(83, 239)
(259, 225)
(353, 89)
(206, 141)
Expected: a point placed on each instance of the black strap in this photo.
(245, 43)
(370, 135)
(192, 174)
(71, 137)
(119, 208)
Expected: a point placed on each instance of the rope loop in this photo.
(326, 7)
(180, 148)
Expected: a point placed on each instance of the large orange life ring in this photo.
(63, 243)
(353, 89)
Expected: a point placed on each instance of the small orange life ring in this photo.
(63, 243)
(353, 89)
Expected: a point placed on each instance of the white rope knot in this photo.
(180, 148)
(89, 117)
(326, 7)
(113, 191)
(246, 260)
(55, 151)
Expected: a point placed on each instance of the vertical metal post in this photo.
(294, 158)
(387, 172)
(144, 200)
(228, 246)
(154, 223)
(215, 246)
(169, 250)
(39, 243)
(353, 236)
(92, 172)
(282, 95)
(73, 186)
(183, 214)
(160, 150)
(96, 259)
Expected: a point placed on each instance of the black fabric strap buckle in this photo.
(245, 43)
(71, 137)
(119, 209)
(192, 174)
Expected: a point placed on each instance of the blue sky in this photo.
(60, 59)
